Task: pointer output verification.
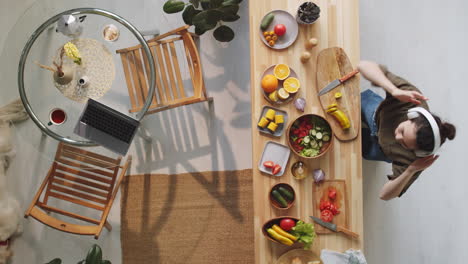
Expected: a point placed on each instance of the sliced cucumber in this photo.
(326, 138)
(320, 144)
(313, 144)
(313, 132)
(318, 128)
(306, 139)
(319, 135)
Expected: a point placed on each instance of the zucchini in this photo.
(318, 135)
(266, 21)
(313, 144)
(326, 138)
(280, 199)
(313, 132)
(306, 139)
(286, 193)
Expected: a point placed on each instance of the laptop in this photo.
(107, 127)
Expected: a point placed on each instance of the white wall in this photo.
(426, 42)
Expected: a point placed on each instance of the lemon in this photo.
(282, 94)
(273, 96)
(291, 85)
(281, 71)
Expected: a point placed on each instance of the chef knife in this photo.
(337, 82)
(334, 227)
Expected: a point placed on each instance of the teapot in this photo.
(70, 25)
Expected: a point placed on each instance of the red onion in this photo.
(300, 103)
(319, 175)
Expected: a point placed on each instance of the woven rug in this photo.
(201, 217)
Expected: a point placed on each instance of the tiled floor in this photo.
(421, 40)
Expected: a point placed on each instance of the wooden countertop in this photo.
(338, 25)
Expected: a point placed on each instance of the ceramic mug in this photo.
(57, 117)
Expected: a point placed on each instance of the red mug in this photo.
(57, 117)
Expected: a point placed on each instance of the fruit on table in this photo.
(270, 37)
(273, 96)
(276, 169)
(269, 83)
(279, 238)
(270, 114)
(280, 30)
(286, 193)
(271, 42)
(311, 43)
(272, 126)
(279, 119)
(291, 85)
(287, 224)
(282, 232)
(305, 56)
(266, 21)
(326, 215)
(269, 164)
(339, 115)
(299, 170)
(263, 122)
(282, 94)
(281, 71)
(338, 95)
(279, 198)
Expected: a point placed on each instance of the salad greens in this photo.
(305, 233)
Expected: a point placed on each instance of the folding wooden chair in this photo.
(168, 52)
(83, 178)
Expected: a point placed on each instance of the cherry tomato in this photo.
(287, 224)
(332, 194)
(280, 29)
(326, 215)
(269, 164)
(276, 169)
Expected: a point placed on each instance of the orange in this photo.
(269, 83)
(291, 85)
(281, 71)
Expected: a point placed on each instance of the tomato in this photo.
(325, 205)
(333, 209)
(280, 30)
(332, 194)
(269, 164)
(276, 169)
(287, 224)
(326, 215)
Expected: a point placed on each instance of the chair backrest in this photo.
(170, 52)
(82, 177)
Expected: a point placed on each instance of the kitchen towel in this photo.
(351, 256)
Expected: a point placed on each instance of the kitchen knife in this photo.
(334, 227)
(337, 82)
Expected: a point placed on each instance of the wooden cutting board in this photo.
(321, 192)
(333, 63)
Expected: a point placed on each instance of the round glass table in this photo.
(71, 57)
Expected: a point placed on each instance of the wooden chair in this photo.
(83, 178)
(168, 52)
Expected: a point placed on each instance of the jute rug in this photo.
(201, 217)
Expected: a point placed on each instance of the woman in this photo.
(399, 129)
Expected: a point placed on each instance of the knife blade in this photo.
(337, 82)
(334, 227)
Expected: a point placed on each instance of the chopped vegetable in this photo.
(319, 175)
(276, 169)
(338, 95)
(307, 136)
(305, 233)
(300, 103)
(332, 193)
(269, 164)
(326, 215)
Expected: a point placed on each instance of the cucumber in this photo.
(318, 135)
(313, 144)
(280, 199)
(306, 139)
(313, 132)
(287, 194)
(267, 21)
(320, 144)
(326, 138)
(318, 128)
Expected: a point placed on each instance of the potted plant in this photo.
(94, 256)
(206, 15)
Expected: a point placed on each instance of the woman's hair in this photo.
(425, 136)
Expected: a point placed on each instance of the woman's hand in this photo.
(422, 163)
(409, 96)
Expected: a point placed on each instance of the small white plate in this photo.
(277, 153)
(292, 29)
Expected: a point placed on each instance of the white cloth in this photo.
(351, 256)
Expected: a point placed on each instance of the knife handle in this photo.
(347, 232)
(349, 75)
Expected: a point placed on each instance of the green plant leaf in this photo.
(55, 261)
(189, 13)
(215, 3)
(195, 3)
(224, 34)
(231, 2)
(82, 262)
(199, 31)
(229, 10)
(213, 16)
(230, 18)
(94, 255)
(106, 262)
(199, 18)
(173, 6)
(205, 4)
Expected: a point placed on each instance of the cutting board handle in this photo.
(349, 75)
(347, 232)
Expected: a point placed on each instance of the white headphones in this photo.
(415, 112)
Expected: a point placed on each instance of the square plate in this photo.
(277, 153)
(279, 131)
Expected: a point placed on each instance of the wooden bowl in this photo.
(275, 221)
(323, 150)
(275, 203)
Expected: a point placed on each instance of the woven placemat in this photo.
(200, 217)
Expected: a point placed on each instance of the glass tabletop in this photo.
(55, 87)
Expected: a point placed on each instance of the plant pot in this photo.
(67, 77)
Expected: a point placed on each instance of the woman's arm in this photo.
(393, 188)
(372, 72)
